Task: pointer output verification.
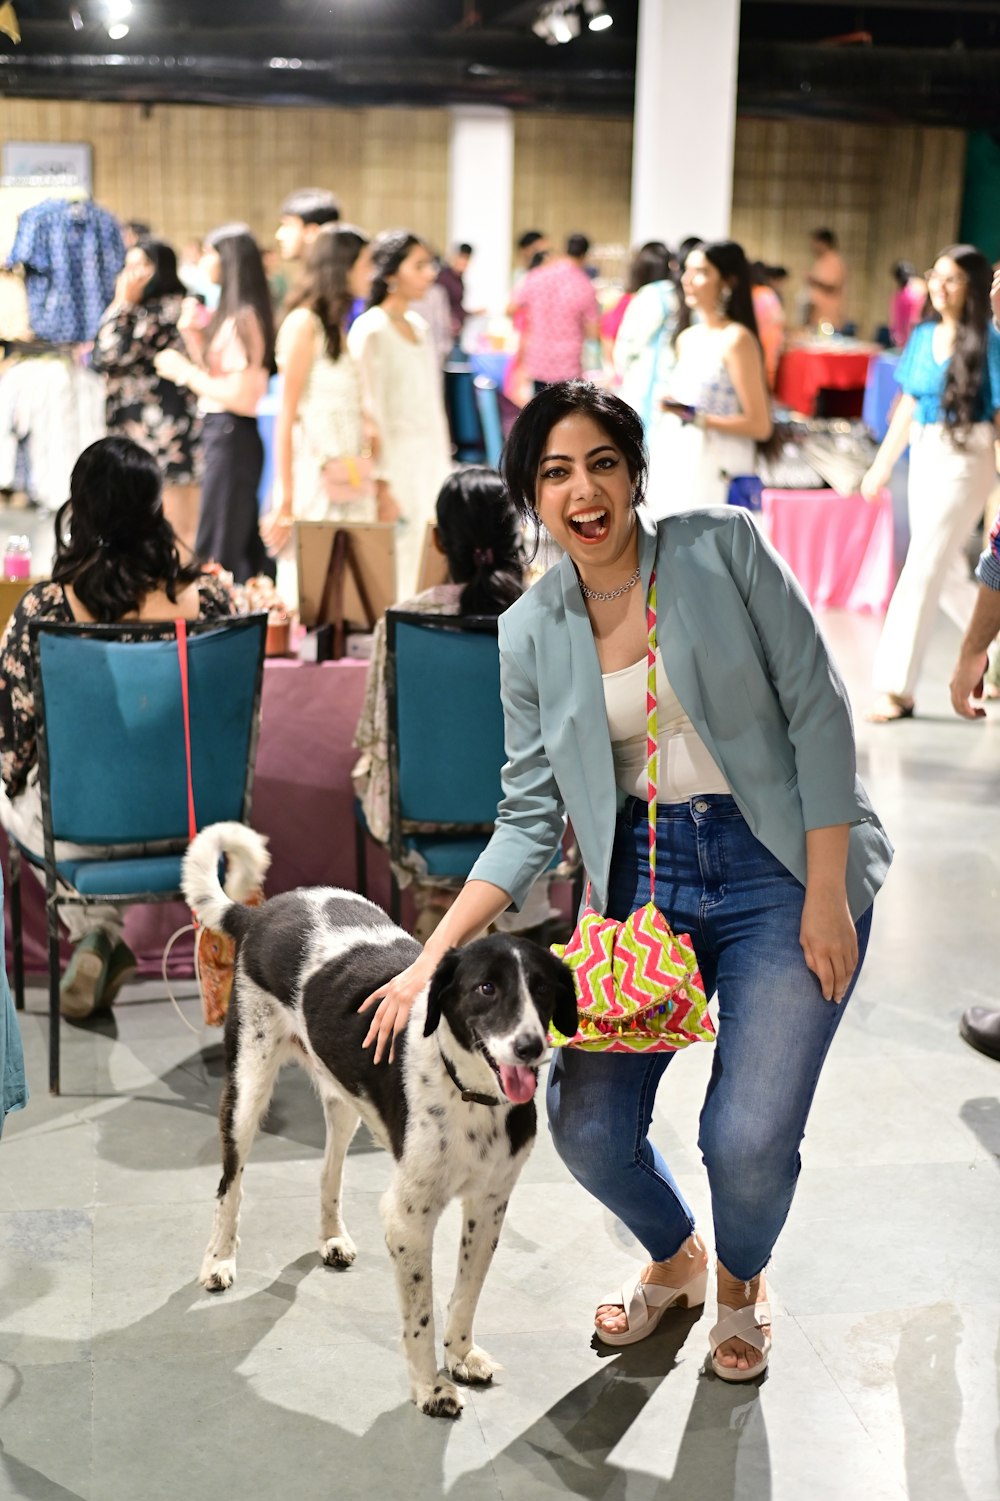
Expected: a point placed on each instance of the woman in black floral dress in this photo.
(116, 561)
(142, 405)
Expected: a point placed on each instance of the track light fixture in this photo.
(559, 21)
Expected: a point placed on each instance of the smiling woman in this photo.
(768, 851)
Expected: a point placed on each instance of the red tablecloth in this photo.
(803, 373)
(302, 801)
(838, 546)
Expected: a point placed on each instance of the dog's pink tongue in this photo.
(518, 1083)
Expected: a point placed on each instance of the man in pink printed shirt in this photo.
(561, 311)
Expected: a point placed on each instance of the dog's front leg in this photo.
(409, 1215)
(482, 1221)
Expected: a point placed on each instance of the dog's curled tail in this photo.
(247, 860)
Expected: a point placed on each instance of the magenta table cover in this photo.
(838, 546)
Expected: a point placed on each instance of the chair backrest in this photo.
(488, 406)
(446, 743)
(112, 761)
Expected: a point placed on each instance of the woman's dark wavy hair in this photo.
(525, 446)
(243, 290)
(651, 262)
(113, 543)
(389, 251)
(324, 289)
(164, 281)
(480, 532)
(729, 259)
(968, 359)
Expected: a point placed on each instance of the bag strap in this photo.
(652, 740)
(182, 656)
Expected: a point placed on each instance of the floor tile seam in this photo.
(901, 1485)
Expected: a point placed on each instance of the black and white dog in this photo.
(456, 1108)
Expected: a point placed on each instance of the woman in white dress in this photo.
(321, 444)
(403, 394)
(718, 408)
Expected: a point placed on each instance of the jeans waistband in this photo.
(702, 805)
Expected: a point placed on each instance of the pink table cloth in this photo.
(302, 801)
(838, 546)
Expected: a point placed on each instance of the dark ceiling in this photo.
(932, 61)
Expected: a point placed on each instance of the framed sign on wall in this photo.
(40, 164)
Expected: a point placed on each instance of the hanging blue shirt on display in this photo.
(72, 253)
(922, 376)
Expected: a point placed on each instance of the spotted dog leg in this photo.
(245, 1098)
(482, 1221)
(410, 1213)
(336, 1246)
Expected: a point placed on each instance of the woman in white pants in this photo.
(949, 377)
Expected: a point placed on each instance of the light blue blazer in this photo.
(744, 656)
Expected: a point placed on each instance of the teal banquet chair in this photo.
(113, 765)
(445, 744)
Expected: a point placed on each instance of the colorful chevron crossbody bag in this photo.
(638, 987)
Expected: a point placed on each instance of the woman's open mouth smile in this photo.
(591, 526)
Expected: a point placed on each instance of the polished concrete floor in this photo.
(120, 1380)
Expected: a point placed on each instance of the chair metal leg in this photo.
(17, 934)
(54, 1019)
(395, 902)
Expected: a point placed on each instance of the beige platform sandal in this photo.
(745, 1324)
(645, 1303)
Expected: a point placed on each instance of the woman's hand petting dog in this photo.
(395, 1004)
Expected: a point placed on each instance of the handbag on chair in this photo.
(214, 953)
(638, 987)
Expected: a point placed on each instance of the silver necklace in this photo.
(603, 594)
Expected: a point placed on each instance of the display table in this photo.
(881, 391)
(302, 801)
(838, 546)
(807, 369)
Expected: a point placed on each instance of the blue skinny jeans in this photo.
(716, 881)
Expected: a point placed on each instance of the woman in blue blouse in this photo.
(949, 377)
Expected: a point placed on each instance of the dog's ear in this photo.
(440, 981)
(564, 1014)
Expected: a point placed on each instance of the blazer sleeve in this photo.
(808, 685)
(531, 819)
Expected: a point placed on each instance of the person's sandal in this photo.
(745, 1324)
(645, 1303)
(82, 987)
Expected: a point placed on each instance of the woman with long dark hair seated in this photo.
(116, 561)
(229, 370)
(949, 376)
(478, 532)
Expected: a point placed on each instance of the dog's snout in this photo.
(528, 1046)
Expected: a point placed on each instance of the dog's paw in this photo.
(339, 1250)
(442, 1400)
(475, 1367)
(217, 1273)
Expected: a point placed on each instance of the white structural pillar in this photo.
(481, 199)
(685, 119)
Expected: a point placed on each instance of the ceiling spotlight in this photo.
(599, 16)
(75, 18)
(557, 22)
(117, 10)
(117, 30)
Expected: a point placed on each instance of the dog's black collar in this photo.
(468, 1095)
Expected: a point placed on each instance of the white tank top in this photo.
(686, 765)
